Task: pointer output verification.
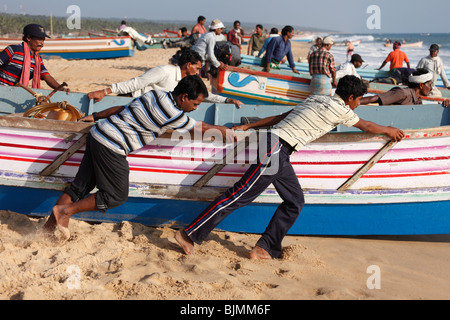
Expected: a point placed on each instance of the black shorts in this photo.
(105, 169)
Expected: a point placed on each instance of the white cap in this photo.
(328, 40)
(216, 24)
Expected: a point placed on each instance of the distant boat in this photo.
(407, 45)
(97, 47)
(345, 43)
(303, 38)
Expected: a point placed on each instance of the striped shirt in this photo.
(11, 64)
(142, 121)
(314, 118)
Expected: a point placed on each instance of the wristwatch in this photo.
(94, 115)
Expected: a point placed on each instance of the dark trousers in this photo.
(273, 167)
(104, 169)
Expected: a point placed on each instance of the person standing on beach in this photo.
(396, 58)
(200, 26)
(315, 47)
(21, 63)
(290, 132)
(125, 130)
(434, 64)
(322, 69)
(165, 78)
(278, 48)
(273, 34)
(236, 36)
(256, 41)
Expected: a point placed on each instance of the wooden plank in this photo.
(368, 165)
(52, 167)
(219, 166)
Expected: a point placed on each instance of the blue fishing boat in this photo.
(82, 48)
(354, 183)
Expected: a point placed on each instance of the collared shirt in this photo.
(347, 69)
(11, 64)
(322, 62)
(278, 49)
(436, 66)
(142, 121)
(205, 48)
(256, 42)
(397, 95)
(164, 78)
(266, 43)
(313, 118)
(396, 58)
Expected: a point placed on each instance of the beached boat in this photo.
(253, 86)
(303, 38)
(82, 48)
(407, 45)
(345, 43)
(365, 73)
(407, 191)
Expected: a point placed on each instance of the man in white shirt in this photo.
(205, 45)
(434, 64)
(165, 78)
(349, 68)
(290, 132)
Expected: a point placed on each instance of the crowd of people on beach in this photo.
(164, 96)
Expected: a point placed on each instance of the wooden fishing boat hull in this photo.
(407, 192)
(82, 48)
(367, 74)
(256, 87)
(407, 45)
(252, 86)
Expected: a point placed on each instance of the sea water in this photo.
(374, 52)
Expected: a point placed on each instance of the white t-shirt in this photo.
(314, 118)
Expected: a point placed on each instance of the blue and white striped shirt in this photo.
(142, 121)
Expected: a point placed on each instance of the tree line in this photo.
(13, 24)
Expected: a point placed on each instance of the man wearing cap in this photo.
(205, 45)
(322, 69)
(420, 85)
(349, 68)
(434, 64)
(21, 63)
(396, 58)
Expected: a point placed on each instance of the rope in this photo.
(43, 110)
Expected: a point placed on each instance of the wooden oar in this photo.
(219, 166)
(368, 165)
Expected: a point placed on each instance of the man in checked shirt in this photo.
(322, 69)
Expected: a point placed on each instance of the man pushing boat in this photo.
(125, 130)
(290, 132)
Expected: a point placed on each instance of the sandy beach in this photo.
(136, 262)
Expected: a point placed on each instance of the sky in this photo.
(348, 16)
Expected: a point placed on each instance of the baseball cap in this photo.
(35, 30)
(357, 57)
(434, 47)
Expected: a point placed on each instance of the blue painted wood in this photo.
(315, 219)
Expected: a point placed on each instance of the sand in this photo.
(136, 262)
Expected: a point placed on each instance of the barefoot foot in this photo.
(259, 253)
(184, 241)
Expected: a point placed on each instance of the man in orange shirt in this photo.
(396, 58)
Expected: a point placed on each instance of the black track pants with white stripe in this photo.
(273, 167)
